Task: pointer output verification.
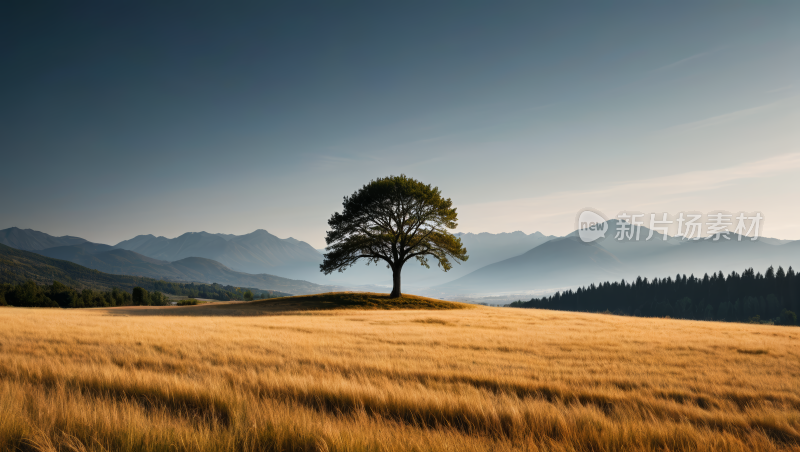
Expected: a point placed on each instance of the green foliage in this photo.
(212, 291)
(393, 220)
(30, 294)
(142, 297)
(27, 295)
(189, 302)
(788, 317)
(158, 299)
(248, 295)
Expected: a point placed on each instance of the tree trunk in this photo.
(396, 283)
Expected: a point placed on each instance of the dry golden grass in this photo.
(482, 379)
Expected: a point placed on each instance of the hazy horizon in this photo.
(142, 118)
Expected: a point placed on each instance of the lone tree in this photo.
(393, 219)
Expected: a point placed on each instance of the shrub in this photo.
(188, 302)
(788, 317)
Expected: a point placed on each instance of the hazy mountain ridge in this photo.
(190, 269)
(30, 240)
(120, 261)
(107, 259)
(559, 262)
(499, 263)
(18, 266)
(483, 249)
(262, 253)
(257, 252)
(569, 262)
(207, 270)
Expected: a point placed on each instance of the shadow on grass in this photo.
(298, 304)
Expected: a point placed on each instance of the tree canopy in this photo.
(393, 219)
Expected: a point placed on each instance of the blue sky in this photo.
(126, 118)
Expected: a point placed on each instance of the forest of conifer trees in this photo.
(746, 297)
(32, 295)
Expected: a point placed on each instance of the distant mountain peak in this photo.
(256, 252)
(30, 240)
(500, 234)
(257, 232)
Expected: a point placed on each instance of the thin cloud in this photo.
(720, 119)
(558, 209)
(688, 182)
(681, 62)
(777, 90)
(695, 181)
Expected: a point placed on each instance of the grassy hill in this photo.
(319, 302)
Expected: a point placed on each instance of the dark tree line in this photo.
(745, 297)
(58, 295)
(141, 297)
(212, 291)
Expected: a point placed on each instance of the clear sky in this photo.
(120, 118)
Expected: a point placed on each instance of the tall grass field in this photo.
(233, 378)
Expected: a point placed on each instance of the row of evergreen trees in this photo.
(212, 291)
(58, 295)
(32, 295)
(746, 297)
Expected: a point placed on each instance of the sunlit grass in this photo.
(479, 379)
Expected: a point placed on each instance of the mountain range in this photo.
(195, 269)
(483, 249)
(30, 240)
(119, 261)
(18, 266)
(508, 263)
(257, 252)
(568, 262)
